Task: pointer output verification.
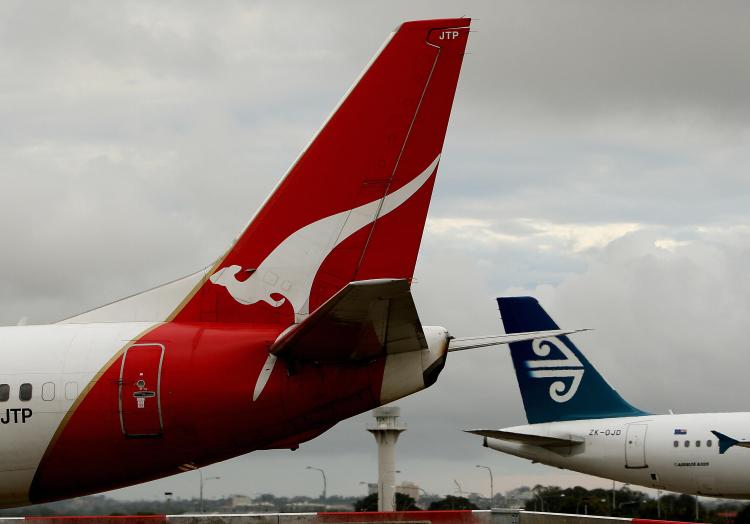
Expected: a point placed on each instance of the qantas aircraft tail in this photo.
(353, 205)
(556, 381)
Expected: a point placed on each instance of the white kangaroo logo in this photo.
(568, 367)
(289, 270)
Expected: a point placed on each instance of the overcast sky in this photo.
(597, 159)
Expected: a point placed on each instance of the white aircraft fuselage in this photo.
(645, 451)
(205, 399)
(577, 421)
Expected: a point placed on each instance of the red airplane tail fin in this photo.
(351, 208)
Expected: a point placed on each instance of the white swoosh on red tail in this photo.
(289, 270)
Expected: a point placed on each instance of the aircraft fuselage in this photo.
(669, 452)
(112, 404)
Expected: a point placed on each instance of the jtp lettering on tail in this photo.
(448, 35)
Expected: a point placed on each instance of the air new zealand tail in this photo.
(556, 381)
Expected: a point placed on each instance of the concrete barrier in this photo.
(506, 516)
(231, 518)
(514, 516)
(401, 517)
(104, 519)
(458, 517)
(495, 516)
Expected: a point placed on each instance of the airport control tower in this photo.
(386, 430)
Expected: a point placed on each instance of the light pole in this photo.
(200, 471)
(324, 480)
(658, 504)
(560, 496)
(394, 488)
(492, 486)
(586, 501)
(537, 495)
(697, 509)
(542, 497)
(541, 501)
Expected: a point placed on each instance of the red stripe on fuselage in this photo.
(208, 377)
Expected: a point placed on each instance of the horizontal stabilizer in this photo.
(726, 442)
(366, 319)
(526, 438)
(460, 344)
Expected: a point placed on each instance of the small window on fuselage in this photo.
(676, 443)
(48, 391)
(709, 443)
(24, 392)
(687, 443)
(4, 392)
(697, 443)
(71, 390)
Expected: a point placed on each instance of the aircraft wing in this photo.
(526, 438)
(460, 344)
(363, 320)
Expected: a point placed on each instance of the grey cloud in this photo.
(669, 324)
(592, 57)
(137, 139)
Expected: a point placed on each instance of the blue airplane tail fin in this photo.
(556, 381)
(726, 442)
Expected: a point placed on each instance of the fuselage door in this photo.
(635, 446)
(140, 384)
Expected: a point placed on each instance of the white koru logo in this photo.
(569, 367)
(289, 270)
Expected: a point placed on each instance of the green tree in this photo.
(369, 503)
(406, 503)
(743, 516)
(451, 502)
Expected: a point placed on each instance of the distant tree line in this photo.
(407, 503)
(626, 502)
